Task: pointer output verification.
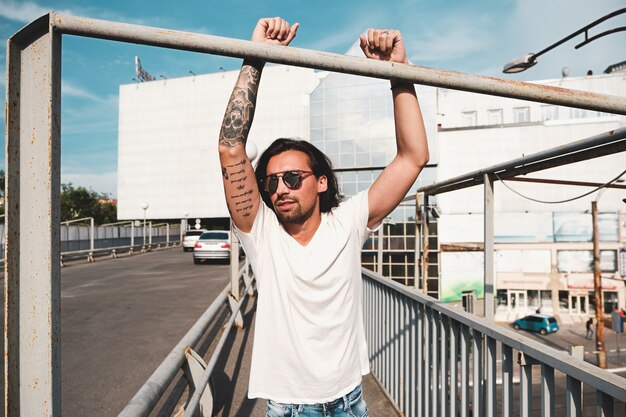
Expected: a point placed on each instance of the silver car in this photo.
(214, 244)
(190, 238)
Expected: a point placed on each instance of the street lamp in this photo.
(144, 206)
(524, 62)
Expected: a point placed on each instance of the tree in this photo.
(78, 202)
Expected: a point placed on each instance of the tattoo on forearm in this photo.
(242, 179)
(242, 162)
(240, 109)
(224, 173)
(244, 194)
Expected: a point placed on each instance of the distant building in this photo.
(543, 251)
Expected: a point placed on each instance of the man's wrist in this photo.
(401, 85)
(256, 63)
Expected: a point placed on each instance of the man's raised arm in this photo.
(240, 187)
(412, 148)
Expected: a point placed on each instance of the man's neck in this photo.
(303, 232)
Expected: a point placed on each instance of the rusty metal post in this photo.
(32, 374)
(597, 289)
(418, 232)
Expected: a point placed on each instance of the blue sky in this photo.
(470, 36)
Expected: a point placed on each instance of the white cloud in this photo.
(102, 183)
(70, 89)
(24, 12)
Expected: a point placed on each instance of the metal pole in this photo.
(416, 271)
(167, 234)
(425, 236)
(334, 62)
(143, 241)
(597, 288)
(379, 256)
(150, 233)
(132, 233)
(32, 372)
(234, 265)
(490, 281)
(92, 231)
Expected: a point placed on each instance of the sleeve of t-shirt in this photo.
(356, 208)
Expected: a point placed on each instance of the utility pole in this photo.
(597, 289)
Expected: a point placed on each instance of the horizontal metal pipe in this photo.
(611, 384)
(149, 394)
(475, 177)
(146, 35)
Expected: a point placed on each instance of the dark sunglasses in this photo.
(291, 179)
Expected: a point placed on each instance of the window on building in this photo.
(494, 116)
(582, 260)
(549, 112)
(469, 118)
(521, 114)
(577, 113)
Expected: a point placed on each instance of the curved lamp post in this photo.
(524, 62)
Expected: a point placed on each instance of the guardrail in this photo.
(183, 356)
(431, 358)
(114, 252)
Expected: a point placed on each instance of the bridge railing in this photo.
(434, 360)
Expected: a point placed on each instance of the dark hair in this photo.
(320, 165)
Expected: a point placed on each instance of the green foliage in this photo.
(79, 202)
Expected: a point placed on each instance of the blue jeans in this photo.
(350, 405)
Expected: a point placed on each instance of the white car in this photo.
(190, 238)
(214, 244)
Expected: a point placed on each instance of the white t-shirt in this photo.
(309, 341)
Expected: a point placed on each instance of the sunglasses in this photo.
(291, 179)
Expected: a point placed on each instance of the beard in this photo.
(296, 215)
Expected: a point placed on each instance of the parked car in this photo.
(189, 239)
(213, 244)
(541, 323)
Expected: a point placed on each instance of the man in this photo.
(309, 348)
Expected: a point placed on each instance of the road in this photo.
(120, 318)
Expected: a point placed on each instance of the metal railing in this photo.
(183, 357)
(433, 360)
(32, 279)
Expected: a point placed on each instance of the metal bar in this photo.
(612, 384)
(394, 349)
(418, 232)
(549, 158)
(334, 62)
(565, 182)
(420, 359)
(425, 246)
(149, 394)
(477, 372)
(526, 390)
(234, 264)
(604, 405)
(434, 329)
(547, 391)
(32, 376)
(403, 368)
(491, 377)
(454, 367)
(411, 365)
(489, 264)
(428, 364)
(194, 401)
(445, 364)
(573, 397)
(507, 381)
(465, 336)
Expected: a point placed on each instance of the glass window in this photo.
(317, 122)
(546, 300)
(563, 301)
(549, 112)
(331, 147)
(332, 134)
(346, 160)
(469, 118)
(521, 114)
(501, 298)
(331, 120)
(608, 260)
(577, 113)
(533, 298)
(494, 116)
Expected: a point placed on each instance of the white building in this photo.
(543, 250)
(168, 133)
